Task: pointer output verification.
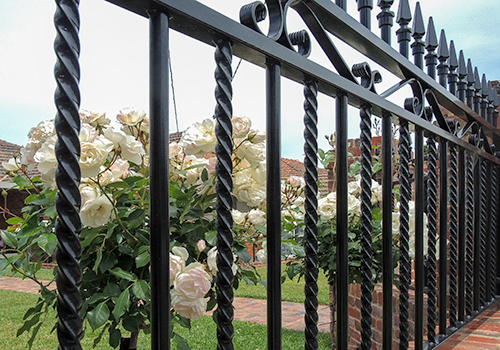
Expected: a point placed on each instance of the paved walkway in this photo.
(251, 310)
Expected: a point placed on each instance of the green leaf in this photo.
(120, 273)
(50, 212)
(21, 181)
(28, 324)
(99, 338)
(118, 184)
(211, 237)
(97, 260)
(142, 259)
(88, 239)
(115, 336)
(122, 304)
(181, 343)
(112, 290)
(141, 289)
(98, 316)
(9, 238)
(48, 242)
(33, 334)
(14, 221)
(109, 260)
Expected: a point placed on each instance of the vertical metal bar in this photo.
(224, 187)
(453, 220)
(159, 179)
(342, 224)
(443, 234)
(470, 84)
(366, 227)
(469, 227)
(462, 77)
(461, 233)
(311, 213)
(404, 232)
(477, 235)
(482, 232)
(488, 206)
(342, 4)
(432, 233)
(387, 266)
(419, 239)
(443, 55)
(385, 19)
(418, 46)
(494, 226)
(273, 117)
(453, 76)
(431, 44)
(67, 151)
(477, 92)
(404, 31)
(365, 8)
(484, 101)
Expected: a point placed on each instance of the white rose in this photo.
(46, 156)
(11, 165)
(327, 208)
(238, 216)
(241, 126)
(256, 217)
(199, 138)
(116, 136)
(96, 212)
(93, 155)
(254, 153)
(193, 281)
(88, 193)
(354, 188)
(132, 150)
(212, 262)
(353, 205)
(40, 133)
(262, 256)
(174, 149)
(130, 116)
(94, 119)
(88, 133)
(257, 136)
(187, 307)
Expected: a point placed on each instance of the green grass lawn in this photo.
(291, 290)
(202, 336)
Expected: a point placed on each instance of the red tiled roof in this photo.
(7, 150)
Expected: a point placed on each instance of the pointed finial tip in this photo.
(404, 12)
(443, 52)
(418, 21)
(431, 41)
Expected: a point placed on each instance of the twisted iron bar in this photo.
(432, 233)
(494, 207)
(404, 232)
(469, 210)
(311, 214)
(224, 187)
(483, 226)
(366, 227)
(67, 150)
(453, 235)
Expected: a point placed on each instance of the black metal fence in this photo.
(453, 177)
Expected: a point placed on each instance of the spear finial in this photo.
(404, 31)
(443, 55)
(418, 46)
(453, 62)
(431, 43)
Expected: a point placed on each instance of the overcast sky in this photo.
(114, 65)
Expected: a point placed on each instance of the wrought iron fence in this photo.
(453, 176)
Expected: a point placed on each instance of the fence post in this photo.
(159, 180)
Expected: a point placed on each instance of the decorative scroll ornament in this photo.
(368, 77)
(255, 12)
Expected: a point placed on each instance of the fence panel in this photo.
(447, 174)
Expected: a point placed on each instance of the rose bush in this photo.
(115, 219)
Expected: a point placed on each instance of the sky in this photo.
(114, 65)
